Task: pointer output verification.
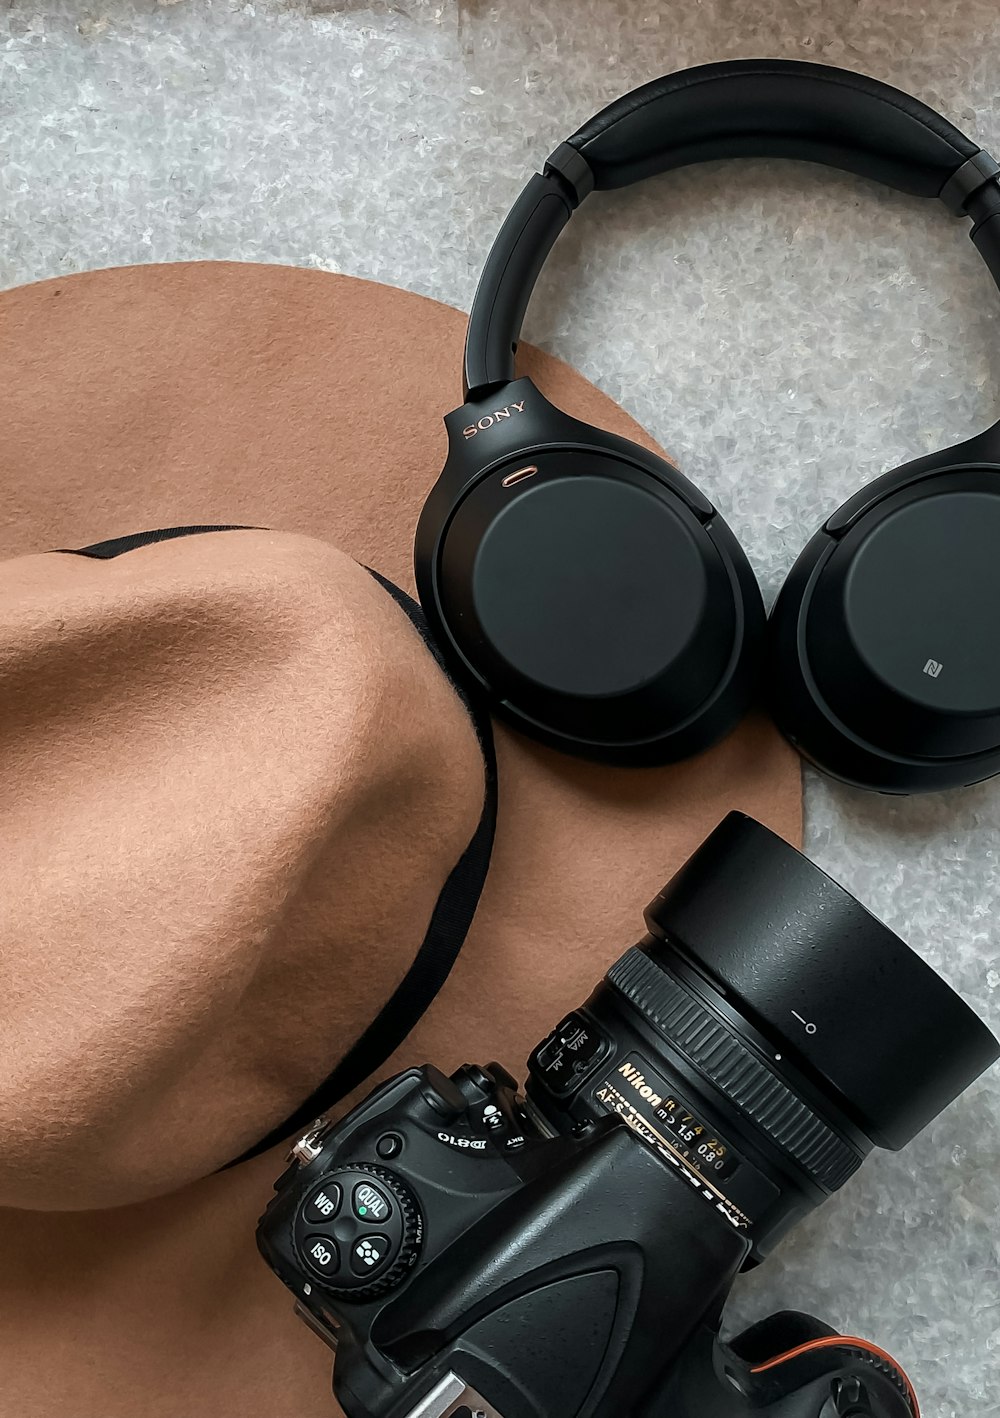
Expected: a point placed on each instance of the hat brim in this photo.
(312, 403)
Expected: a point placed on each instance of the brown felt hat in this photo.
(236, 786)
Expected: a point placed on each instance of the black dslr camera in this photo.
(474, 1253)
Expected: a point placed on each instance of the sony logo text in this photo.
(488, 420)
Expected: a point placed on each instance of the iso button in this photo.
(322, 1254)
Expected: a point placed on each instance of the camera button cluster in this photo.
(358, 1231)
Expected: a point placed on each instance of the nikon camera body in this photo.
(472, 1252)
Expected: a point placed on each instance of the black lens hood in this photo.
(815, 972)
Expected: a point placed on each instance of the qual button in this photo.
(371, 1204)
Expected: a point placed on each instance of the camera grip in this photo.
(565, 1305)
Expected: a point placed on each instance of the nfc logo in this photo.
(933, 668)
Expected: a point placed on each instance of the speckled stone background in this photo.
(786, 332)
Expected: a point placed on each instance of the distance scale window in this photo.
(634, 1092)
(698, 1142)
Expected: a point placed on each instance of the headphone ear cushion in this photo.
(884, 643)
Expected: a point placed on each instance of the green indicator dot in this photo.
(362, 1211)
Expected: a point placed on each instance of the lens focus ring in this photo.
(735, 1070)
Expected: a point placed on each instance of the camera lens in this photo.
(765, 1034)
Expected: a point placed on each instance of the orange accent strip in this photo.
(838, 1341)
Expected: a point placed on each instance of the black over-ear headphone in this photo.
(598, 596)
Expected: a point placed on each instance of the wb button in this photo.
(324, 1203)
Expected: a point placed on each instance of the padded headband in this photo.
(746, 108)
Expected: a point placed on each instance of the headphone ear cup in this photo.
(884, 643)
(600, 601)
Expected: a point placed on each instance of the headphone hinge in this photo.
(573, 170)
(969, 179)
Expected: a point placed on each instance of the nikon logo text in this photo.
(638, 1082)
(488, 420)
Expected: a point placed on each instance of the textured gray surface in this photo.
(787, 333)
